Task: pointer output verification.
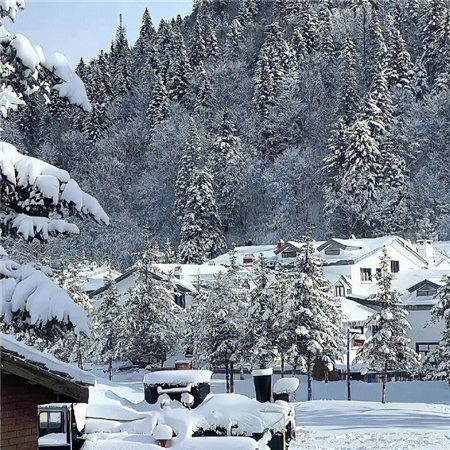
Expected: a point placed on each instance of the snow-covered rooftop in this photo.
(355, 312)
(10, 344)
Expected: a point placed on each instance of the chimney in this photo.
(280, 244)
(429, 253)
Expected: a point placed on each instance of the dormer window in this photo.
(366, 275)
(332, 251)
(339, 291)
(289, 254)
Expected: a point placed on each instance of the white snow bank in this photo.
(176, 377)
(23, 288)
(218, 443)
(286, 385)
(9, 100)
(250, 416)
(363, 425)
(9, 343)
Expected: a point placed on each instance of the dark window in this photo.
(395, 266)
(423, 348)
(289, 254)
(332, 251)
(366, 274)
(339, 291)
(51, 422)
(426, 292)
(180, 300)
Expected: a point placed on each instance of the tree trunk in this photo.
(110, 362)
(309, 369)
(231, 378)
(227, 376)
(282, 367)
(383, 390)
(325, 368)
(110, 368)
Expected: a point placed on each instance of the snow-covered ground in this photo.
(417, 415)
(336, 424)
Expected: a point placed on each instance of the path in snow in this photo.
(334, 424)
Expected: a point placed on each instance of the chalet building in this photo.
(30, 378)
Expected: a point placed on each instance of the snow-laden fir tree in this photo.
(227, 166)
(36, 197)
(158, 109)
(120, 62)
(108, 331)
(178, 72)
(147, 35)
(437, 363)
(388, 349)
(201, 236)
(188, 165)
(73, 347)
(214, 322)
(260, 323)
(197, 46)
(150, 315)
(399, 71)
(315, 324)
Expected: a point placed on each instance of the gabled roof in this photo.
(340, 243)
(422, 284)
(345, 280)
(43, 369)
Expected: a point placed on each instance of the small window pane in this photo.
(395, 266)
(55, 420)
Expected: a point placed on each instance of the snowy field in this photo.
(417, 415)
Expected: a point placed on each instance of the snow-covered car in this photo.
(187, 406)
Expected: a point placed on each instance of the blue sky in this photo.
(82, 28)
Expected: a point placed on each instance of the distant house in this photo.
(30, 378)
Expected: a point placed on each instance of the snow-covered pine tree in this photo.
(202, 96)
(333, 163)
(399, 67)
(227, 166)
(214, 323)
(435, 38)
(189, 163)
(274, 60)
(315, 325)
(158, 109)
(72, 347)
(178, 70)
(260, 323)
(201, 236)
(325, 36)
(108, 331)
(197, 49)
(388, 349)
(437, 363)
(33, 192)
(120, 63)
(147, 36)
(151, 322)
(234, 38)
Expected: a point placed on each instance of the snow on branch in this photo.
(25, 289)
(20, 60)
(33, 190)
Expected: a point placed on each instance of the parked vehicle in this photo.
(58, 426)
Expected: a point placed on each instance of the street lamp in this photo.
(350, 333)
